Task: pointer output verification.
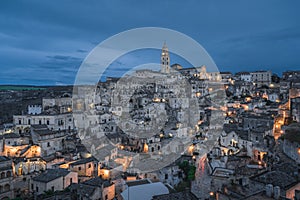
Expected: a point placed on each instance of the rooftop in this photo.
(276, 178)
(9, 135)
(178, 195)
(4, 158)
(292, 133)
(83, 161)
(97, 182)
(51, 174)
(83, 189)
(138, 182)
(39, 126)
(144, 191)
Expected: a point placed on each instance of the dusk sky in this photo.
(44, 42)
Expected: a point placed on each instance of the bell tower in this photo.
(165, 59)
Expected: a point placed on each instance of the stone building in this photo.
(261, 77)
(291, 142)
(24, 166)
(95, 188)
(53, 180)
(295, 108)
(50, 141)
(6, 177)
(85, 168)
(52, 121)
(244, 76)
(34, 109)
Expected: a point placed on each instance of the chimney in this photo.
(277, 192)
(269, 190)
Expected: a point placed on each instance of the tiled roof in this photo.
(278, 178)
(37, 126)
(10, 135)
(138, 182)
(83, 161)
(4, 158)
(51, 174)
(97, 182)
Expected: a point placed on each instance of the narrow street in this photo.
(202, 182)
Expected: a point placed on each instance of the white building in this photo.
(52, 121)
(34, 109)
(65, 102)
(261, 77)
(273, 97)
(245, 76)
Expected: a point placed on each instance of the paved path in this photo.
(201, 184)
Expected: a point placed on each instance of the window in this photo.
(79, 168)
(71, 180)
(40, 122)
(52, 188)
(90, 165)
(29, 121)
(48, 144)
(37, 189)
(20, 122)
(48, 122)
(166, 176)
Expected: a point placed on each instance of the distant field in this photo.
(16, 87)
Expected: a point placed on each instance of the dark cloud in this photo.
(82, 51)
(64, 58)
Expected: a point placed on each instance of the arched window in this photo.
(2, 175)
(8, 174)
(6, 187)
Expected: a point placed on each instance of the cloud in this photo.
(45, 42)
(82, 51)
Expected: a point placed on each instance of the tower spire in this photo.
(165, 59)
